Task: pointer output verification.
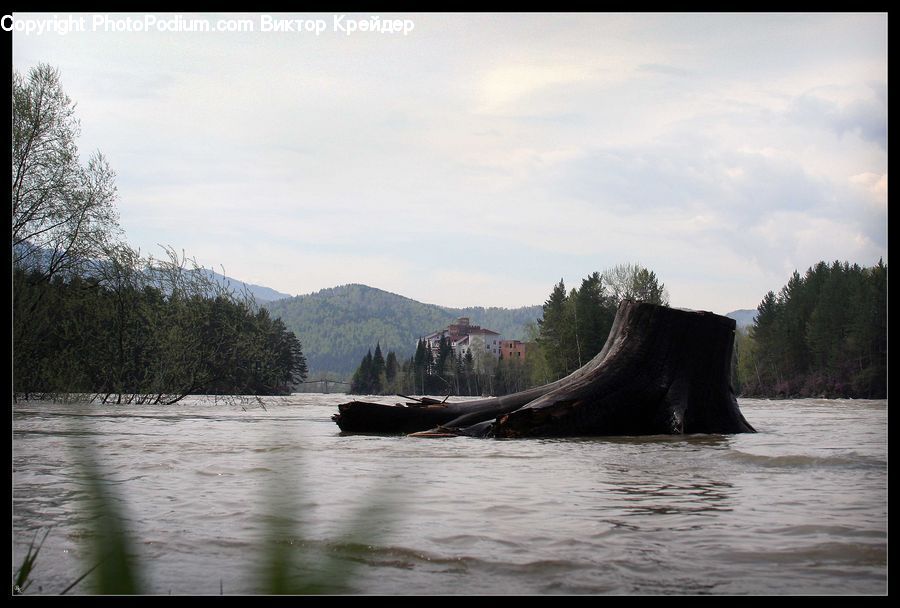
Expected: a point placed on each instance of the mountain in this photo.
(338, 325)
(261, 293)
(743, 317)
(39, 257)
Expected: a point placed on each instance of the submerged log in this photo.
(661, 371)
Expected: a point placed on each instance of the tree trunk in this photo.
(661, 371)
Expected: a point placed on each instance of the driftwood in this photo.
(661, 371)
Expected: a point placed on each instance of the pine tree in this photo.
(823, 334)
(764, 333)
(422, 366)
(645, 287)
(391, 367)
(553, 329)
(366, 369)
(378, 370)
(595, 315)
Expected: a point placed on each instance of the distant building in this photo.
(513, 349)
(478, 341)
(464, 337)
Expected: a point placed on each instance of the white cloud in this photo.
(722, 150)
(502, 87)
(875, 186)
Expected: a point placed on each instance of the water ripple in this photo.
(798, 508)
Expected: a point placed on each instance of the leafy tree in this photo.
(469, 372)
(117, 339)
(63, 211)
(90, 315)
(575, 325)
(634, 282)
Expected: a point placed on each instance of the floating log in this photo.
(662, 371)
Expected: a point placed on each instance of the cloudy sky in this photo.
(479, 158)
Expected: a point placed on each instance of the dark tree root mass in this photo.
(661, 371)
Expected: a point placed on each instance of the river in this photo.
(206, 489)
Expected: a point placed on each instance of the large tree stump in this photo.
(661, 371)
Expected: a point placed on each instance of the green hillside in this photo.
(338, 325)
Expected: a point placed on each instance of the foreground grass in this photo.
(21, 580)
(285, 564)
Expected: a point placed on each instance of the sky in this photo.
(477, 159)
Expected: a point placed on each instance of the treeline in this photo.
(90, 315)
(823, 335)
(119, 339)
(573, 329)
(440, 373)
(375, 374)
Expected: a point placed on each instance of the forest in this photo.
(443, 374)
(572, 329)
(824, 334)
(94, 319)
(118, 338)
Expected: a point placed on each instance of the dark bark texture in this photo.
(661, 371)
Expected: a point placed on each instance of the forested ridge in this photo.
(340, 324)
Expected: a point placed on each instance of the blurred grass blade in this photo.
(356, 545)
(292, 565)
(21, 581)
(78, 580)
(116, 572)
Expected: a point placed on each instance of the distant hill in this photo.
(338, 325)
(260, 292)
(743, 317)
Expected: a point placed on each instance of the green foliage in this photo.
(286, 563)
(537, 367)
(575, 325)
(112, 548)
(289, 564)
(634, 282)
(89, 314)
(447, 373)
(512, 376)
(127, 335)
(21, 579)
(823, 334)
(391, 367)
(572, 329)
(63, 210)
(340, 324)
(557, 337)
